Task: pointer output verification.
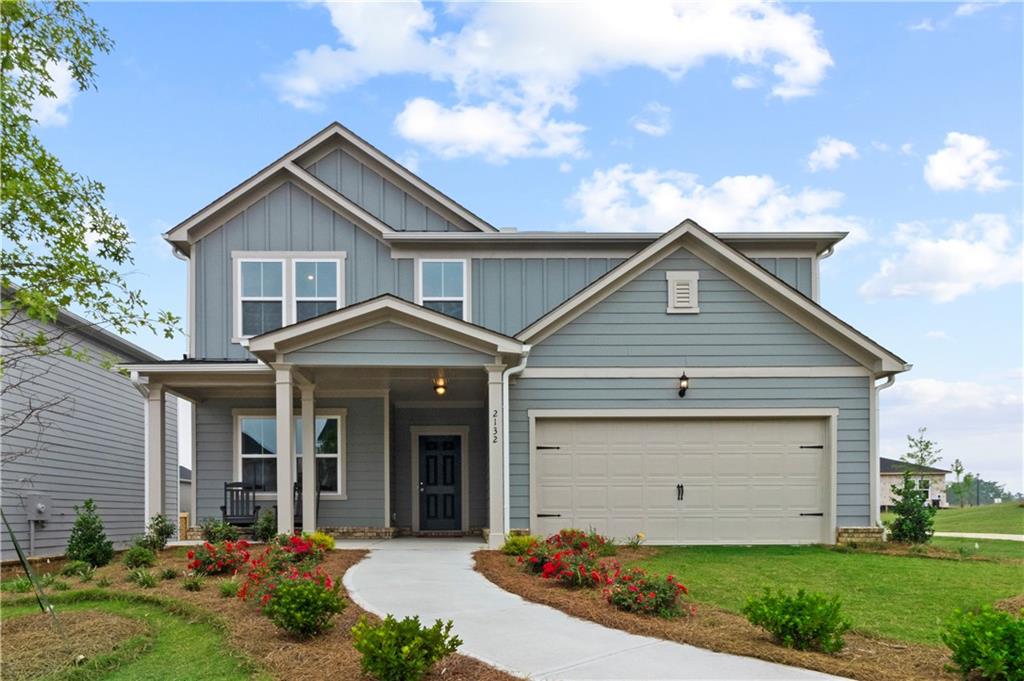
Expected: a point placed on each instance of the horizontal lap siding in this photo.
(387, 344)
(364, 506)
(848, 394)
(630, 328)
(287, 219)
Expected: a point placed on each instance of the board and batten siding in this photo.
(797, 272)
(379, 197)
(286, 219)
(387, 344)
(734, 328)
(91, 445)
(848, 394)
(364, 469)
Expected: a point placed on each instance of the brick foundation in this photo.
(860, 535)
(361, 532)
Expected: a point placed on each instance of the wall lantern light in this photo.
(684, 383)
(440, 386)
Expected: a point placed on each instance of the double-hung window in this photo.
(257, 436)
(258, 445)
(328, 452)
(443, 286)
(316, 288)
(262, 296)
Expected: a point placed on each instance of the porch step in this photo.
(441, 533)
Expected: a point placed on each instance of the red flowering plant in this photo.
(220, 558)
(262, 580)
(637, 591)
(580, 569)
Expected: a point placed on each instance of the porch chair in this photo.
(297, 504)
(239, 507)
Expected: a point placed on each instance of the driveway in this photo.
(434, 578)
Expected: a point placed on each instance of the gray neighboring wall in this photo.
(92, 446)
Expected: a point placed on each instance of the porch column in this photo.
(285, 450)
(155, 452)
(309, 473)
(496, 458)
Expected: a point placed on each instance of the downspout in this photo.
(511, 371)
(875, 454)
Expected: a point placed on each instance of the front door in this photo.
(440, 483)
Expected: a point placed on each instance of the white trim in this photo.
(830, 415)
(339, 285)
(190, 292)
(440, 404)
(457, 251)
(387, 458)
(692, 279)
(695, 372)
(340, 413)
(464, 298)
(414, 467)
(199, 368)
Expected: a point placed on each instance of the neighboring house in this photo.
(454, 377)
(74, 429)
(185, 490)
(926, 477)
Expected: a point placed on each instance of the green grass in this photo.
(1005, 518)
(905, 598)
(184, 645)
(986, 548)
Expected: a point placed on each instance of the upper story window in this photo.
(262, 296)
(443, 287)
(316, 288)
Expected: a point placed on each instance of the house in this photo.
(184, 489)
(931, 479)
(74, 429)
(457, 378)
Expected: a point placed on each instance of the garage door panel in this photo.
(625, 498)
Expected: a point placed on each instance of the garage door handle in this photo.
(812, 446)
(820, 515)
(680, 491)
(548, 447)
(549, 515)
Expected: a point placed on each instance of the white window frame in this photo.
(693, 279)
(288, 302)
(464, 298)
(316, 299)
(339, 413)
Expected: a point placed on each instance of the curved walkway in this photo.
(981, 535)
(434, 578)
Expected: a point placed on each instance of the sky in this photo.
(899, 123)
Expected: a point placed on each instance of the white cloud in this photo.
(969, 8)
(970, 256)
(56, 111)
(828, 153)
(623, 199)
(978, 423)
(511, 65)
(965, 161)
(879, 146)
(564, 167)
(653, 120)
(745, 81)
(936, 335)
(923, 25)
(906, 148)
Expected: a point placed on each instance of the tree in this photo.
(958, 470)
(88, 541)
(914, 516)
(923, 452)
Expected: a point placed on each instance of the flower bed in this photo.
(217, 559)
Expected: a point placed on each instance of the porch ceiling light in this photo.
(684, 383)
(440, 386)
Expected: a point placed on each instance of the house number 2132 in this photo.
(494, 427)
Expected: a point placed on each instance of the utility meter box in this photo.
(37, 507)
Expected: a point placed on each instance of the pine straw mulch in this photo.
(328, 656)
(864, 657)
(890, 548)
(1013, 605)
(32, 648)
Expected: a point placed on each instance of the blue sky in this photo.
(901, 123)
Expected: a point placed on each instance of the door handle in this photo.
(549, 515)
(421, 488)
(820, 515)
(680, 491)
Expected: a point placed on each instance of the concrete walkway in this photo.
(434, 578)
(981, 535)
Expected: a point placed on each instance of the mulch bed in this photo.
(32, 647)
(864, 657)
(890, 548)
(328, 656)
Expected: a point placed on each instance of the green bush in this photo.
(402, 651)
(139, 556)
(88, 542)
(914, 515)
(75, 568)
(321, 539)
(217, 530)
(228, 587)
(168, 574)
(87, 575)
(987, 644)
(636, 591)
(265, 527)
(142, 577)
(518, 544)
(192, 582)
(103, 582)
(18, 585)
(158, 532)
(304, 607)
(806, 621)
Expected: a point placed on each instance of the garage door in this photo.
(720, 481)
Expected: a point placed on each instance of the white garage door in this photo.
(723, 481)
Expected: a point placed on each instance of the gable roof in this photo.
(741, 269)
(289, 167)
(897, 466)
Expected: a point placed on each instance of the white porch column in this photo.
(496, 461)
(285, 449)
(308, 460)
(155, 452)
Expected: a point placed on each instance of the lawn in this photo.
(984, 548)
(1007, 518)
(900, 597)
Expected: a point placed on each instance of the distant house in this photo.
(932, 479)
(75, 429)
(184, 490)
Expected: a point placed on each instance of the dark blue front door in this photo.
(440, 484)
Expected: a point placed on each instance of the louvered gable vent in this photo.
(682, 292)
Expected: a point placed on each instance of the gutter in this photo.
(511, 371)
(875, 454)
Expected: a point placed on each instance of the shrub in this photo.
(322, 540)
(262, 581)
(806, 621)
(158, 532)
(103, 582)
(987, 643)
(637, 591)
(139, 556)
(297, 549)
(402, 651)
(577, 568)
(228, 588)
(192, 582)
(265, 526)
(537, 556)
(304, 607)
(215, 559)
(142, 577)
(75, 568)
(217, 530)
(17, 585)
(168, 574)
(518, 544)
(636, 540)
(87, 575)
(914, 516)
(88, 542)
(578, 540)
